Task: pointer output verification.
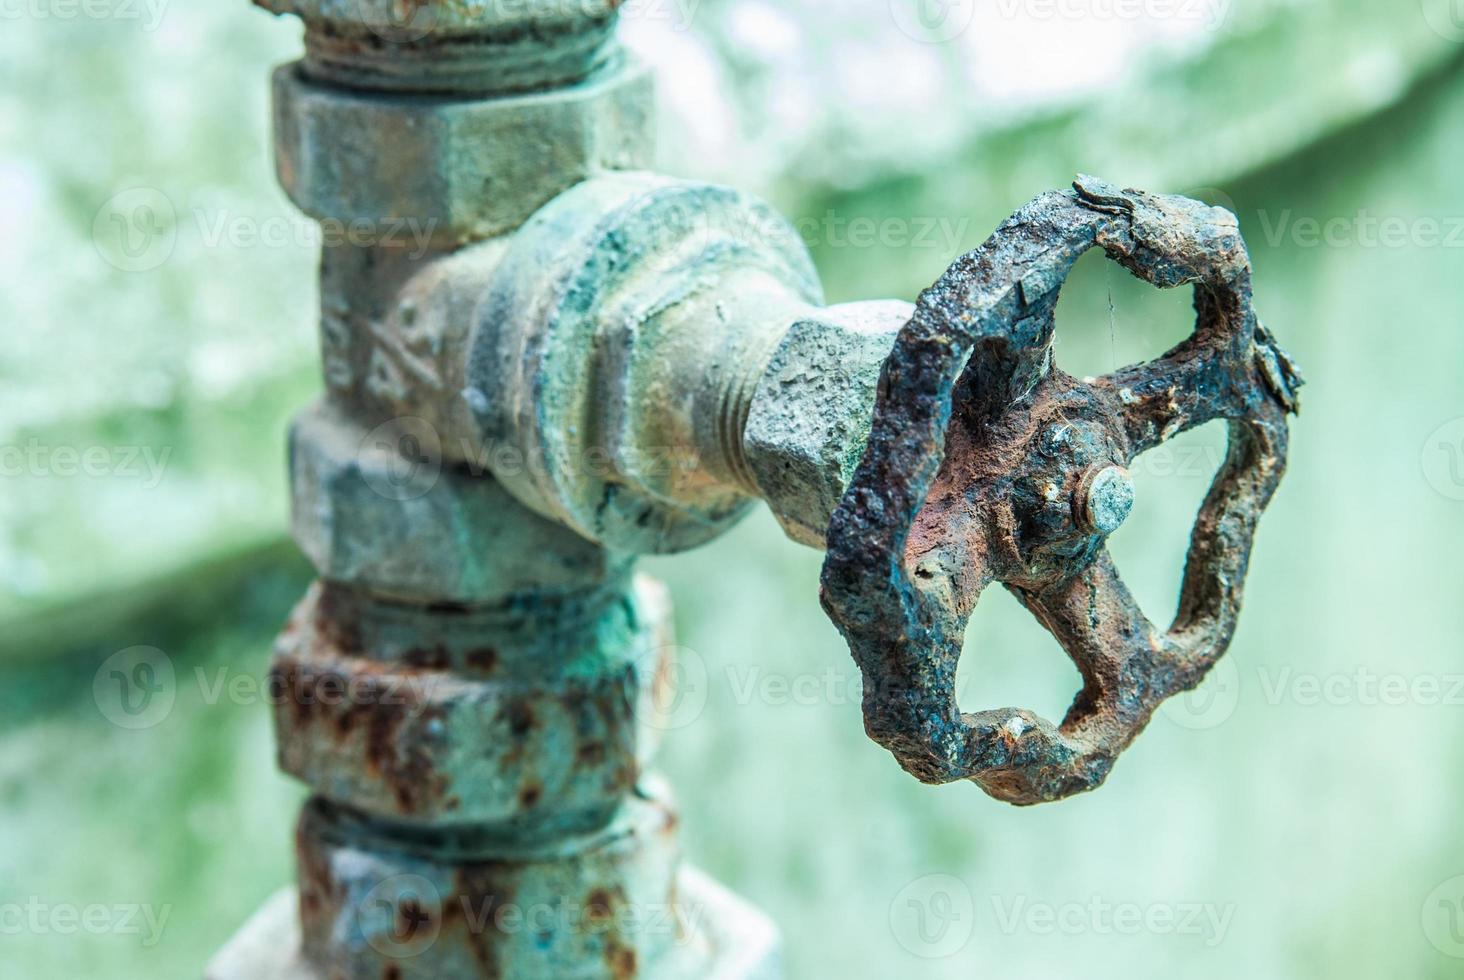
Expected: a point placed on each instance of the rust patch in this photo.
(589, 753)
(521, 719)
(599, 906)
(530, 795)
(481, 890)
(428, 658)
(320, 894)
(484, 659)
(336, 619)
(366, 701)
(412, 919)
(621, 960)
(602, 907)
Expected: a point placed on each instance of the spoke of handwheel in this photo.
(1110, 640)
(1187, 387)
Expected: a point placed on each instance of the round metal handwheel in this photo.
(987, 464)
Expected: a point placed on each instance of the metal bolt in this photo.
(1106, 497)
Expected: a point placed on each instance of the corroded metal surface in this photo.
(534, 720)
(381, 508)
(395, 324)
(473, 692)
(618, 346)
(652, 355)
(809, 417)
(726, 939)
(595, 906)
(988, 464)
(476, 47)
(458, 169)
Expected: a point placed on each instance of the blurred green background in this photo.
(1296, 817)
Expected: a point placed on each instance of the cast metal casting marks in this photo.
(576, 321)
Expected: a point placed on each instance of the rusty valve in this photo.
(986, 463)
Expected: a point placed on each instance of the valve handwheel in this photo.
(985, 463)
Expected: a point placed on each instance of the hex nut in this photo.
(474, 724)
(452, 169)
(810, 415)
(601, 905)
(421, 529)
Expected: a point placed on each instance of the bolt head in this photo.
(1106, 496)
